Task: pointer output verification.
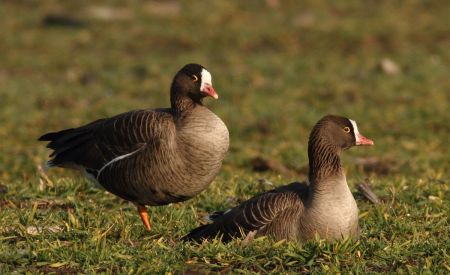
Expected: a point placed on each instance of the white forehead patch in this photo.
(206, 79)
(355, 130)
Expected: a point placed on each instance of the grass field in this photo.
(278, 67)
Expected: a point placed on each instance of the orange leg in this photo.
(144, 216)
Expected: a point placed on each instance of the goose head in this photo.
(339, 132)
(193, 81)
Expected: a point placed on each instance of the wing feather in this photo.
(254, 214)
(96, 144)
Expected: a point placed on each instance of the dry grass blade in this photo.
(44, 179)
(249, 238)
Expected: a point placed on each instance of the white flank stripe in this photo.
(116, 159)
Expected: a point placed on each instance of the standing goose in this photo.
(152, 156)
(299, 211)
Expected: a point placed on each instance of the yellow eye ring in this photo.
(347, 129)
(194, 78)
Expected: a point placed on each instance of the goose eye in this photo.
(194, 78)
(347, 129)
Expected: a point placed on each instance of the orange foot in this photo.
(144, 216)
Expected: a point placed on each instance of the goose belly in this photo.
(331, 217)
(335, 223)
(157, 181)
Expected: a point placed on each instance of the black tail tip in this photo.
(55, 135)
(196, 234)
(189, 238)
(46, 137)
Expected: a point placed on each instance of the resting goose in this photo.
(152, 156)
(298, 211)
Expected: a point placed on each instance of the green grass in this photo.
(277, 71)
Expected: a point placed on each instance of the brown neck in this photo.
(324, 159)
(179, 102)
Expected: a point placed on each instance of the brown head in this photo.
(328, 138)
(193, 81)
(338, 132)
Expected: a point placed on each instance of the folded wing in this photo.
(255, 214)
(98, 144)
